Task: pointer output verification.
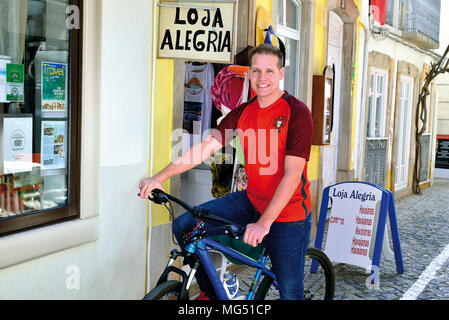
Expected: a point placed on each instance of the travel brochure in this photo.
(53, 144)
(54, 87)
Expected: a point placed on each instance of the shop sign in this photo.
(357, 224)
(200, 31)
(442, 154)
(351, 223)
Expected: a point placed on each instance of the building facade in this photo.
(400, 54)
(124, 107)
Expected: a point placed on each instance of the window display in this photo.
(35, 106)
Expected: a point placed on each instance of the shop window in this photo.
(288, 22)
(39, 97)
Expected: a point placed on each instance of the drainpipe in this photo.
(152, 106)
(364, 89)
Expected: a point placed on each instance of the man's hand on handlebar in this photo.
(254, 234)
(147, 186)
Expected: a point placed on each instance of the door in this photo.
(329, 154)
(376, 140)
(403, 131)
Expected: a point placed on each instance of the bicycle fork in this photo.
(186, 279)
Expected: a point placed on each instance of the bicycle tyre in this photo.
(325, 268)
(169, 289)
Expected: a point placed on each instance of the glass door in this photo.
(403, 131)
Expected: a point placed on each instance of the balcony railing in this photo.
(420, 22)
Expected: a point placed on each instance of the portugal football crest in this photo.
(279, 123)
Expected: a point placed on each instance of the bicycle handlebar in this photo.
(160, 197)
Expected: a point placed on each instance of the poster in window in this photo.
(54, 87)
(3, 62)
(17, 144)
(53, 145)
(15, 85)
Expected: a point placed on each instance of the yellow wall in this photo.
(266, 4)
(318, 67)
(163, 126)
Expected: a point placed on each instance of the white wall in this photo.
(113, 267)
(443, 79)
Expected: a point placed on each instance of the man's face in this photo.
(265, 75)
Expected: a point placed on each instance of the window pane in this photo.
(370, 106)
(34, 106)
(368, 128)
(378, 116)
(291, 65)
(379, 102)
(279, 9)
(291, 15)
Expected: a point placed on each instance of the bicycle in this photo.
(319, 279)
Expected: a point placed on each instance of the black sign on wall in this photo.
(442, 157)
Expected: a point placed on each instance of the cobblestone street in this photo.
(423, 222)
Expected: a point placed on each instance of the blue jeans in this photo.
(286, 243)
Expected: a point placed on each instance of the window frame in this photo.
(72, 210)
(406, 104)
(294, 34)
(374, 94)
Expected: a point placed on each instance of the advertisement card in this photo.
(3, 62)
(54, 87)
(17, 144)
(15, 83)
(53, 144)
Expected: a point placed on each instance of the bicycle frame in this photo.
(200, 248)
(198, 245)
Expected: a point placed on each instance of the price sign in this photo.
(351, 223)
(356, 225)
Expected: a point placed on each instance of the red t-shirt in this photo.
(267, 135)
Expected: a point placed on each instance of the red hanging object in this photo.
(228, 87)
(379, 10)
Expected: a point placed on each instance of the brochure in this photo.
(3, 62)
(53, 144)
(54, 87)
(15, 83)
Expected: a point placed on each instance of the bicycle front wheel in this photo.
(319, 285)
(169, 290)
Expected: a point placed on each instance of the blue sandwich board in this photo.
(350, 236)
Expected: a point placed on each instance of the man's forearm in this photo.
(189, 159)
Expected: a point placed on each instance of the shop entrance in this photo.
(329, 154)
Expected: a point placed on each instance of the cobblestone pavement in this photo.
(423, 222)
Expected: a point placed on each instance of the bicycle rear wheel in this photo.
(318, 285)
(169, 290)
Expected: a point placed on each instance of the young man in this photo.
(275, 130)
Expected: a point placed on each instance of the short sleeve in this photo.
(300, 130)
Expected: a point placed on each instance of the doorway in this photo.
(403, 132)
(329, 154)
